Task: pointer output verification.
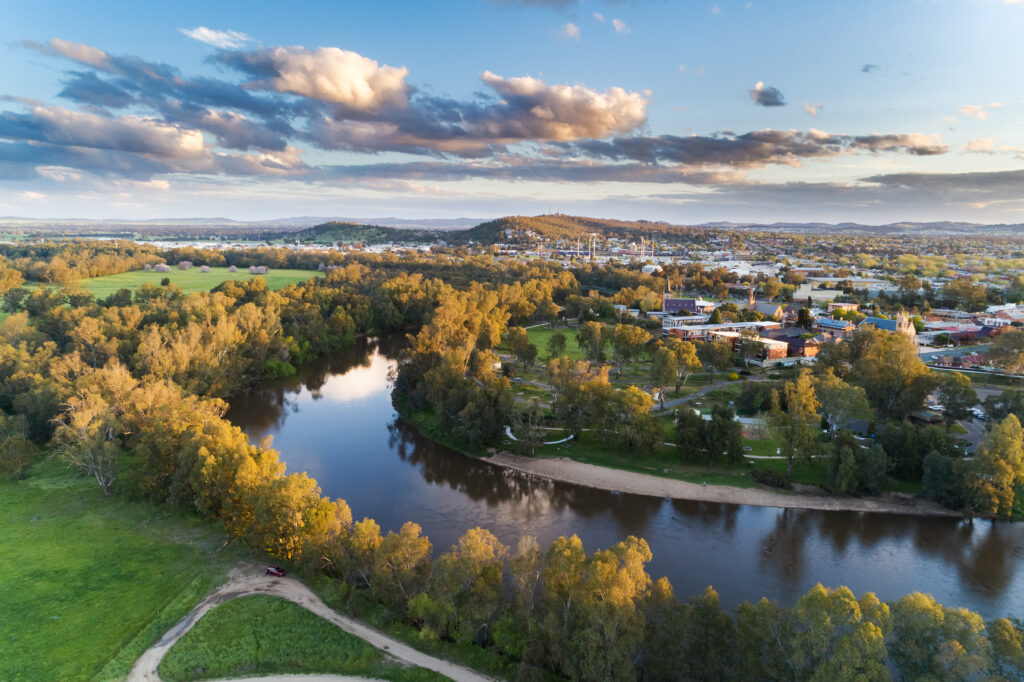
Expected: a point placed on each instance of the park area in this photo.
(192, 280)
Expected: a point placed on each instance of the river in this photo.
(334, 420)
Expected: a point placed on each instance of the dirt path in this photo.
(604, 478)
(249, 579)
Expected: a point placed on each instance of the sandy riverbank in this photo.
(593, 476)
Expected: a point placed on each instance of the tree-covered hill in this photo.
(351, 233)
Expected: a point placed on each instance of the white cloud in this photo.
(996, 105)
(571, 30)
(566, 112)
(620, 26)
(333, 75)
(983, 145)
(599, 17)
(32, 196)
(715, 9)
(221, 39)
(973, 110)
(812, 109)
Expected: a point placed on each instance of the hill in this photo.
(526, 229)
(351, 233)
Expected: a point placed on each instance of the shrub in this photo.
(733, 376)
(770, 478)
(165, 282)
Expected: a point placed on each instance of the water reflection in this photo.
(335, 421)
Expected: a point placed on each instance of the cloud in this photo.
(973, 110)
(982, 145)
(77, 52)
(812, 109)
(571, 30)
(620, 26)
(766, 95)
(996, 105)
(532, 109)
(59, 126)
(599, 17)
(328, 74)
(869, 68)
(221, 39)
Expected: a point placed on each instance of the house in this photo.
(901, 325)
(771, 311)
(844, 307)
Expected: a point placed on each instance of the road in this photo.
(249, 579)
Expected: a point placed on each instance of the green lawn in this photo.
(260, 635)
(539, 337)
(191, 281)
(89, 583)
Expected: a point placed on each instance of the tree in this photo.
(688, 362)
(723, 436)
(556, 344)
(793, 425)
(401, 566)
(957, 397)
(465, 590)
(529, 426)
(998, 467)
(86, 437)
(804, 319)
(638, 428)
(627, 342)
(664, 370)
(931, 641)
(715, 355)
(748, 345)
(715, 317)
(888, 368)
(519, 344)
(998, 406)
(16, 450)
(841, 402)
(591, 340)
(941, 481)
(771, 288)
(1007, 351)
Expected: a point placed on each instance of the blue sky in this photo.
(682, 111)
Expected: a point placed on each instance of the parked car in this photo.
(276, 571)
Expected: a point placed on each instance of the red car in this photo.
(276, 571)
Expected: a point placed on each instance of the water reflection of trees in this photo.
(985, 554)
(495, 485)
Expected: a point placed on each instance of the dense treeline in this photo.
(130, 391)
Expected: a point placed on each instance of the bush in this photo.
(278, 369)
(771, 479)
(165, 282)
(745, 373)
(733, 376)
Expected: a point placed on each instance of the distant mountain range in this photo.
(557, 226)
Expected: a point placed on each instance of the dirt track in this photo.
(249, 579)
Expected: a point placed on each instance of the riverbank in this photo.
(604, 478)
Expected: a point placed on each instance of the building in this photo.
(840, 328)
(845, 307)
(695, 306)
(702, 332)
(767, 349)
(677, 321)
(901, 325)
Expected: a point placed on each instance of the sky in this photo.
(685, 111)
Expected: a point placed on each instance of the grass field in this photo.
(88, 582)
(260, 635)
(191, 281)
(539, 336)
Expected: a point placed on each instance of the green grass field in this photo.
(191, 281)
(260, 635)
(539, 336)
(88, 582)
